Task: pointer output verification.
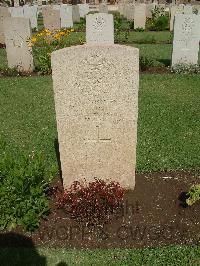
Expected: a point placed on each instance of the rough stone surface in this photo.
(140, 16)
(17, 11)
(130, 12)
(75, 13)
(4, 13)
(66, 16)
(96, 102)
(103, 8)
(83, 10)
(175, 10)
(51, 18)
(31, 13)
(188, 10)
(99, 28)
(186, 39)
(17, 31)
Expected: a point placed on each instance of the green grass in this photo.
(168, 127)
(27, 114)
(146, 36)
(3, 59)
(170, 256)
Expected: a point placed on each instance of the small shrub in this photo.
(131, 25)
(139, 29)
(118, 22)
(80, 26)
(146, 62)
(24, 181)
(91, 203)
(186, 69)
(194, 194)
(10, 72)
(161, 23)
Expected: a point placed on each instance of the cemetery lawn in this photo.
(168, 125)
(173, 255)
(3, 59)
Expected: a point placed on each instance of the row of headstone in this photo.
(96, 117)
(56, 16)
(136, 12)
(29, 12)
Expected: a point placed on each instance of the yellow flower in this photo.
(33, 39)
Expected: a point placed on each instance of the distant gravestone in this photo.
(175, 10)
(99, 29)
(51, 18)
(103, 8)
(140, 16)
(17, 12)
(149, 9)
(75, 13)
(83, 10)
(188, 10)
(17, 31)
(186, 39)
(16, 3)
(66, 16)
(31, 13)
(96, 102)
(4, 13)
(130, 12)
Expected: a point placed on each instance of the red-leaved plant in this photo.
(93, 202)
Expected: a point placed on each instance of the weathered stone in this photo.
(83, 10)
(187, 10)
(31, 13)
(51, 18)
(99, 28)
(17, 12)
(96, 102)
(4, 13)
(103, 8)
(17, 31)
(140, 16)
(66, 16)
(186, 39)
(75, 13)
(149, 9)
(175, 10)
(130, 12)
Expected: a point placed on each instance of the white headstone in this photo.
(103, 8)
(83, 10)
(99, 28)
(17, 32)
(75, 13)
(66, 16)
(17, 12)
(188, 10)
(186, 39)
(175, 10)
(140, 16)
(4, 13)
(31, 13)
